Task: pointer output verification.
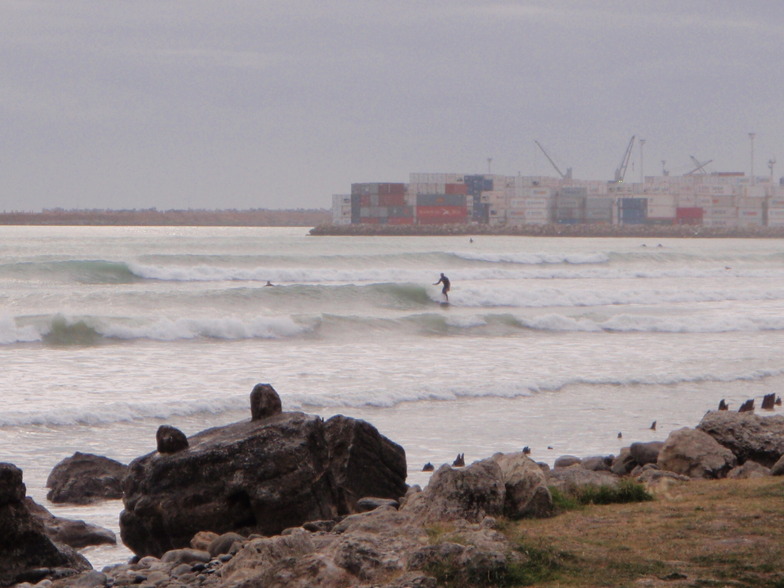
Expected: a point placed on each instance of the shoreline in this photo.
(553, 230)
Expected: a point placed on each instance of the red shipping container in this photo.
(400, 220)
(392, 199)
(369, 220)
(695, 212)
(391, 188)
(455, 189)
(364, 200)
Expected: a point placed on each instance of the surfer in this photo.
(445, 281)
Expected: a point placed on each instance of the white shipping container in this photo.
(537, 214)
(721, 212)
(749, 213)
(662, 211)
(776, 222)
(662, 200)
(777, 213)
(718, 222)
(776, 202)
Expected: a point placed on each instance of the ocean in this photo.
(558, 344)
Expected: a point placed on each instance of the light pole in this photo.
(751, 138)
(642, 174)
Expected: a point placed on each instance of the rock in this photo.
(263, 476)
(85, 478)
(27, 554)
(778, 467)
(747, 406)
(469, 493)
(170, 439)
(598, 463)
(652, 475)
(693, 453)
(428, 467)
(750, 469)
(747, 435)
(645, 453)
(576, 476)
(74, 533)
(624, 463)
(566, 461)
(202, 540)
(459, 461)
(260, 556)
(525, 485)
(224, 543)
(372, 503)
(185, 555)
(264, 402)
(768, 401)
(363, 462)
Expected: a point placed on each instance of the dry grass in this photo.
(699, 533)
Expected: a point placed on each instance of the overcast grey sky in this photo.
(279, 104)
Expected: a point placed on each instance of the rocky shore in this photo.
(288, 499)
(555, 230)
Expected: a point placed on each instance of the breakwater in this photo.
(554, 230)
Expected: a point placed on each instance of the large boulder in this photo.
(27, 554)
(747, 435)
(469, 493)
(85, 478)
(276, 471)
(363, 462)
(693, 453)
(525, 484)
(254, 476)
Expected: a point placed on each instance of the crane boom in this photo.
(620, 173)
(550, 159)
(700, 166)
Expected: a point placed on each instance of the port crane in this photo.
(564, 176)
(700, 166)
(620, 173)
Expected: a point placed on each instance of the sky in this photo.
(178, 104)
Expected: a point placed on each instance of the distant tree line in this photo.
(257, 217)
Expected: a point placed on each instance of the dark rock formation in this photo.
(27, 554)
(459, 461)
(747, 406)
(74, 533)
(768, 401)
(170, 439)
(85, 478)
(277, 470)
(693, 453)
(262, 476)
(264, 402)
(748, 436)
(363, 462)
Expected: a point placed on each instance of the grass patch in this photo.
(698, 533)
(624, 492)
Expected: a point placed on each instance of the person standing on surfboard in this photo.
(445, 281)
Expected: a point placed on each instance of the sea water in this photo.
(558, 344)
